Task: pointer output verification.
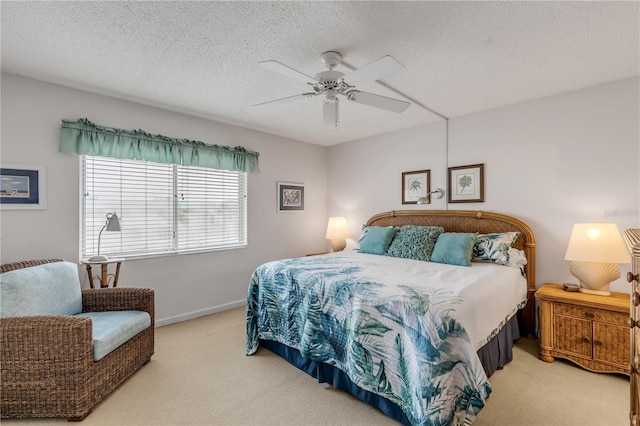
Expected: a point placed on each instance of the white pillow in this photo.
(517, 258)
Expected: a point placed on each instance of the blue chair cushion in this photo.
(49, 289)
(114, 328)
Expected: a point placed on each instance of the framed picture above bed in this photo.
(466, 184)
(415, 185)
(290, 197)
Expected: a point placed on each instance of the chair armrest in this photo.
(38, 343)
(119, 299)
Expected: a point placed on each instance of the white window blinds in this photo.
(163, 208)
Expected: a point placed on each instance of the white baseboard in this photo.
(200, 313)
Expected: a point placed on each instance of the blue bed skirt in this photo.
(494, 355)
(326, 373)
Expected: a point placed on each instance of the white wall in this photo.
(187, 285)
(365, 176)
(553, 162)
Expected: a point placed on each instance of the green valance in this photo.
(83, 137)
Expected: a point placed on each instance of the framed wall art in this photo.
(22, 186)
(290, 197)
(415, 185)
(466, 184)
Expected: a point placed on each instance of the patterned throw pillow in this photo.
(494, 247)
(415, 242)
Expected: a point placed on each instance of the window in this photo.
(163, 208)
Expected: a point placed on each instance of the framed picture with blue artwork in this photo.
(22, 186)
(466, 184)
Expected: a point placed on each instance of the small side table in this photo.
(104, 279)
(589, 330)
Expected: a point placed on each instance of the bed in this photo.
(416, 339)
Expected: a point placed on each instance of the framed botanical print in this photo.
(415, 185)
(466, 184)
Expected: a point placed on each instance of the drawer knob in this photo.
(599, 342)
(635, 298)
(585, 340)
(631, 277)
(591, 314)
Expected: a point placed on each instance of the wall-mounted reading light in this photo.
(438, 193)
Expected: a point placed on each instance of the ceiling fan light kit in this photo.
(332, 83)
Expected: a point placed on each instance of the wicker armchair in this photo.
(47, 365)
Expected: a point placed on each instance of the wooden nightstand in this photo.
(590, 330)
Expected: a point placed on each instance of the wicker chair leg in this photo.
(79, 419)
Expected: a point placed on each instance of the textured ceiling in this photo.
(201, 57)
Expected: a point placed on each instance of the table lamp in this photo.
(338, 232)
(112, 224)
(595, 249)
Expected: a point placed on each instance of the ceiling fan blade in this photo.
(286, 100)
(330, 112)
(377, 101)
(276, 66)
(376, 70)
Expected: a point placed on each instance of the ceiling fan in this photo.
(332, 84)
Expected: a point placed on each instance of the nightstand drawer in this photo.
(573, 335)
(611, 343)
(592, 314)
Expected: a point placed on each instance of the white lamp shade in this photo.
(597, 242)
(337, 228)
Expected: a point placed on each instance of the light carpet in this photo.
(199, 375)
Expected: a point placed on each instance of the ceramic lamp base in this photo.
(598, 292)
(338, 244)
(595, 277)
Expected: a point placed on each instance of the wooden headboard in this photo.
(481, 222)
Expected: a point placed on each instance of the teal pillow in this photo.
(376, 240)
(363, 233)
(494, 247)
(454, 248)
(415, 242)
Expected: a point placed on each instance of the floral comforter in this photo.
(383, 322)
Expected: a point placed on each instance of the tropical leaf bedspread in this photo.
(405, 330)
